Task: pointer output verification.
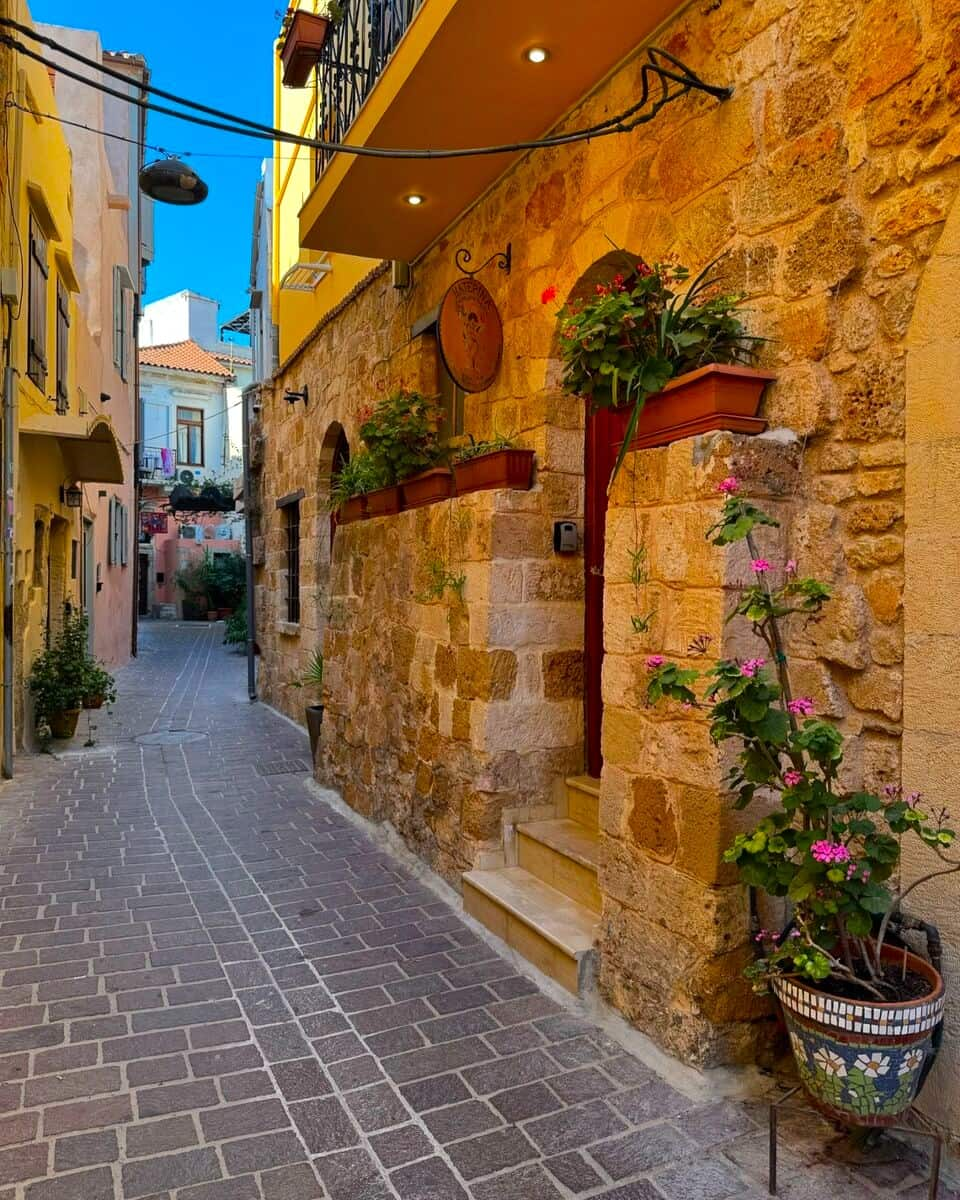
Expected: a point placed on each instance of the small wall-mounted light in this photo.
(293, 397)
(536, 54)
(415, 199)
(72, 497)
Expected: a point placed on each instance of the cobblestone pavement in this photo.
(215, 987)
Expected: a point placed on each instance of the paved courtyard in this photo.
(215, 987)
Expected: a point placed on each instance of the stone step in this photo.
(563, 854)
(543, 925)
(583, 800)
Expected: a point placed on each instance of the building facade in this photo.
(73, 258)
(826, 187)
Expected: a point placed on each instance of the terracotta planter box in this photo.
(428, 487)
(714, 397)
(302, 46)
(63, 725)
(384, 502)
(501, 469)
(354, 509)
(851, 1071)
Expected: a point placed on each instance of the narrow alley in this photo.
(216, 987)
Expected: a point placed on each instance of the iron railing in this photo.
(356, 51)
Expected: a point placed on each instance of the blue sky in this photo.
(220, 55)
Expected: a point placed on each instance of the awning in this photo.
(90, 457)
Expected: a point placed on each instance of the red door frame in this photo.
(605, 429)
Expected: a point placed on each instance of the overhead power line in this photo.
(632, 117)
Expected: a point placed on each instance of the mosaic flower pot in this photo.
(719, 396)
(862, 1062)
(500, 469)
(384, 502)
(354, 509)
(428, 487)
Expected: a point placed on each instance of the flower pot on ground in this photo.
(505, 468)
(90, 702)
(428, 487)
(63, 724)
(99, 685)
(384, 502)
(301, 47)
(851, 1072)
(863, 1013)
(212, 614)
(718, 396)
(314, 727)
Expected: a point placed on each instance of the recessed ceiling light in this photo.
(415, 199)
(537, 54)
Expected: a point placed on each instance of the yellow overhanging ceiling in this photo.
(90, 457)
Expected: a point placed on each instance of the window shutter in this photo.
(117, 318)
(124, 534)
(63, 347)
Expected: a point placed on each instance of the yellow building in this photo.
(59, 442)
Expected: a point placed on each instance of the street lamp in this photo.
(172, 182)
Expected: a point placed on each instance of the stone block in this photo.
(708, 149)
(826, 252)
(563, 674)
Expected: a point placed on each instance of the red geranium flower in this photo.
(548, 294)
(643, 269)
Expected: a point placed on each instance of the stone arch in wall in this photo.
(931, 683)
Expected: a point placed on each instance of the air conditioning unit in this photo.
(186, 477)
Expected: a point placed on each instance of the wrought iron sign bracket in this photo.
(503, 259)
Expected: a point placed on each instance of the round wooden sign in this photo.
(470, 333)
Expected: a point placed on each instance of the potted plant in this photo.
(313, 678)
(99, 685)
(495, 463)
(357, 477)
(862, 1011)
(58, 679)
(673, 355)
(402, 433)
(304, 37)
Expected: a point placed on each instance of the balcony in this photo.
(446, 74)
(153, 470)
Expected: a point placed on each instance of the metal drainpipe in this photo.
(137, 424)
(247, 395)
(8, 477)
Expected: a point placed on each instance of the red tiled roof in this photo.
(183, 356)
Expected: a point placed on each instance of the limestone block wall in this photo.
(675, 927)
(443, 710)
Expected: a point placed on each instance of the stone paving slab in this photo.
(215, 987)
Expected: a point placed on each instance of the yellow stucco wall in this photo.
(296, 312)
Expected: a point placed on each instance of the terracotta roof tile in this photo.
(183, 356)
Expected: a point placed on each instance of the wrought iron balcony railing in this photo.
(356, 51)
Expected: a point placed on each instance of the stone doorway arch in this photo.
(931, 684)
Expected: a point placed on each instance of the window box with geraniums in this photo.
(356, 478)
(672, 354)
(495, 463)
(863, 1011)
(402, 433)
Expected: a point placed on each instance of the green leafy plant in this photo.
(60, 674)
(214, 581)
(402, 433)
(99, 683)
(439, 580)
(645, 327)
(640, 621)
(235, 629)
(832, 853)
(360, 474)
(475, 449)
(312, 678)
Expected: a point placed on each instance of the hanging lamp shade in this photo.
(172, 182)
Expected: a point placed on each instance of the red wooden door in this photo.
(604, 433)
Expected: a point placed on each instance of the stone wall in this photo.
(823, 185)
(445, 709)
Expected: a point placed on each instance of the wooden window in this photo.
(291, 517)
(451, 401)
(118, 534)
(74, 557)
(120, 325)
(37, 307)
(63, 347)
(190, 437)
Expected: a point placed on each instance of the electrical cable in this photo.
(622, 122)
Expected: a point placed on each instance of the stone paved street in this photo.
(215, 987)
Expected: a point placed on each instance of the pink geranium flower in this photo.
(654, 661)
(760, 565)
(790, 567)
(752, 666)
(729, 485)
(829, 852)
(793, 778)
(801, 707)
